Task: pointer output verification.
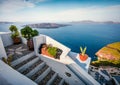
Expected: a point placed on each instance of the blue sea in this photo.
(92, 35)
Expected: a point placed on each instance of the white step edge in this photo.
(61, 82)
(22, 68)
(52, 79)
(43, 75)
(33, 71)
(19, 60)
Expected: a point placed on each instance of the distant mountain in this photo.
(90, 21)
(5, 22)
(46, 25)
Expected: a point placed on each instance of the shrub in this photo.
(27, 32)
(14, 31)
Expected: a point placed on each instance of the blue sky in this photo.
(59, 10)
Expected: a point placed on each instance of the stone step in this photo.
(57, 80)
(52, 79)
(33, 66)
(38, 73)
(21, 59)
(47, 78)
(61, 82)
(24, 62)
(28, 64)
(36, 69)
(65, 83)
(40, 77)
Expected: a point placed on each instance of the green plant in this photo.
(105, 63)
(83, 50)
(8, 60)
(52, 50)
(14, 30)
(4, 60)
(27, 32)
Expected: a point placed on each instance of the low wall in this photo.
(38, 40)
(6, 38)
(82, 74)
(2, 49)
(65, 49)
(9, 76)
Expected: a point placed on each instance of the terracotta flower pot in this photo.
(17, 40)
(30, 44)
(83, 57)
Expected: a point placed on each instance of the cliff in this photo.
(110, 53)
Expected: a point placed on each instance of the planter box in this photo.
(38, 40)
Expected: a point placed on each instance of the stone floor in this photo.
(17, 51)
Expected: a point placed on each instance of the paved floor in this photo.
(17, 51)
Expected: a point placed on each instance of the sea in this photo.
(92, 35)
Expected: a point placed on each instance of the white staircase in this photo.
(37, 70)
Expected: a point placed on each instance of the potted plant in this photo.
(50, 51)
(15, 34)
(82, 55)
(28, 33)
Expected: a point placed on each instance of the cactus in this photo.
(83, 50)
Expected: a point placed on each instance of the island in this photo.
(6, 22)
(99, 22)
(47, 25)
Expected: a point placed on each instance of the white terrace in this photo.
(68, 63)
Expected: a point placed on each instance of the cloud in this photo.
(8, 6)
(95, 13)
(107, 13)
(35, 1)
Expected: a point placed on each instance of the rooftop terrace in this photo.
(32, 68)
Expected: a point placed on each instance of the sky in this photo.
(59, 10)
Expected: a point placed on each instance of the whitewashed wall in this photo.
(9, 76)
(65, 49)
(38, 40)
(24, 41)
(6, 38)
(2, 49)
(82, 74)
